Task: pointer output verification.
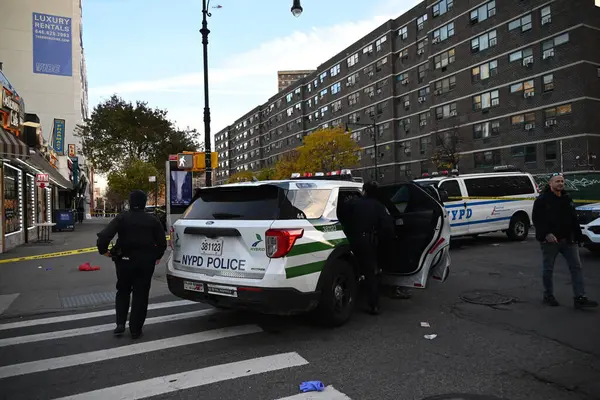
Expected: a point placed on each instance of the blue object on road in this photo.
(312, 386)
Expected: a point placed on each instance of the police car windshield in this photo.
(263, 202)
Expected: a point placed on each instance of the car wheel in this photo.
(518, 228)
(338, 294)
(594, 248)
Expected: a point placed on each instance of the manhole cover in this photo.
(458, 396)
(89, 299)
(486, 298)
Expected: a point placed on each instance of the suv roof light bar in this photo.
(342, 174)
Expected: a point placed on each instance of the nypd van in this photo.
(277, 247)
(487, 202)
(589, 221)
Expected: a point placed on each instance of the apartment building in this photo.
(512, 82)
(286, 78)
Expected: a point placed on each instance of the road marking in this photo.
(328, 394)
(6, 300)
(96, 314)
(125, 351)
(99, 328)
(191, 379)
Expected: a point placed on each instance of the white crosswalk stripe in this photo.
(23, 377)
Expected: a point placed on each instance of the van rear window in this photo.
(264, 202)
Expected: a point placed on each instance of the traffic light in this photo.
(200, 161)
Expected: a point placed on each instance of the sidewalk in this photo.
(56, 285)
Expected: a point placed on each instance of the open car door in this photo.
(421, 246)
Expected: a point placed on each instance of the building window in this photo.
(324, 111)
(484, 71)
(421, 46)
(369, 91)
(484, 41)
(336, 88)
(353, 99)
(529, 152)
(352, 60)
(421, 22)
(445, 85)
(403, 33)
(369, 71)
(335, 70)
(352, 79)
(336, 106)
(405, 124)
(487, 158)
(422, 119)
(442, 60)
(524, 23)
(290, 111)
(443, 33)
(527, 119)
(13, 197)
(548, 81)
(424, 92)
(484, 12)
(447, 111)
(486, 100)
(526, 54)
(323, 76)
(379, 65)
(548, 45)
(368, 49)
(289, 97)
(403, 54)
(486, 130)
(557, 111)
(442, 7)
(425, 142)
(546, 15)
(422, 71)
(526, 87)
(550, 151)
(380, 42)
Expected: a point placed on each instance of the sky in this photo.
(151, 50)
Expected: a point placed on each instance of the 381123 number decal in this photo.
(215, 246)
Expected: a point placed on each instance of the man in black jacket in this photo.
(140, 245)
(558, 231)
(365, 219)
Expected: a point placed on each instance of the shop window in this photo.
(13, 195)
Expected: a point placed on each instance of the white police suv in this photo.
(589, 220)
(277, 247)
(487, 202)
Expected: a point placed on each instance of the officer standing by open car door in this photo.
(140, 245)
(365, 219)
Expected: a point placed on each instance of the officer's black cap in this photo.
(371, 188)
(137, 200)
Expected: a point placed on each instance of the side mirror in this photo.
(444, 196)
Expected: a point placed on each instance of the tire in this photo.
(339, 289)
(518, 228)
(594, 248)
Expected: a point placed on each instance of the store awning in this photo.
(10, 146)
(38, 162)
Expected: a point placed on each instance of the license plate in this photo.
(222, 290)
(193, 286)
(211, 247)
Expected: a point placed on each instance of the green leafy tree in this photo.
(134, 175)
(266, 174)
(118, 131)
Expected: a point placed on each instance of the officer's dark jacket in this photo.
(141, 236)
(556, 215)
(366, 215)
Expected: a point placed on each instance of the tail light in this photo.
(437, 245)
(171, 239)
(279, 242)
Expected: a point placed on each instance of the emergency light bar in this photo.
(339, 175)
(445, 173)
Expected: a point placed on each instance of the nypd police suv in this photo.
(589, 220)
(277, 247)
(487, 202)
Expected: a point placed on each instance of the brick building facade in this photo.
(512, 82)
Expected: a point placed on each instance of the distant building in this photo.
(512, 82)
(286, 78)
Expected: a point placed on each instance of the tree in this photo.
(134, 175)
(266, 174)
(328, 149)
(287, 165)
(446, 154)
(118, 131)
(242, 176)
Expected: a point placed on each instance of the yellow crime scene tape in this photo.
(456, 198)
(57, 254)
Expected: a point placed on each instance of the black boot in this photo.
(119, 330)
(583, 302)
(551, 301)
(136, 334)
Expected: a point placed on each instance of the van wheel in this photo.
(518, 228)
(338, 295)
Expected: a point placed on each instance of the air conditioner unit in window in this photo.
(547, 54)
(420, 26)
(453, 114)
(422, 123)
(405, 55)
(529, 127)
(420, 51)
(491, 12)
(371, 74)
(546, 20)
(528, 94)
(527, 61)
(371, 94)
(438, 92)
(405, 82)
(406, 104)
(550, 122)
(436, 40)
(421, 99)
(347, 83)
(404, 36)
(493, 42)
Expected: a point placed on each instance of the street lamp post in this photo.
(296, 11)
(373, 125)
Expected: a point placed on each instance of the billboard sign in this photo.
(52, 47)
(58, 136)
(181, 191)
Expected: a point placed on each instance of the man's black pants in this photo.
(133, 277)
(366, 254)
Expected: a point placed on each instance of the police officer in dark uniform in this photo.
(365, 219)
(140, 245)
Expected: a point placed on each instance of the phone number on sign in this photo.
(42, 32)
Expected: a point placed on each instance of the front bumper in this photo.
(277, 301)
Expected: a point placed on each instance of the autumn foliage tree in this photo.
(242, 176)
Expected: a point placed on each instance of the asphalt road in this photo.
(518, 351)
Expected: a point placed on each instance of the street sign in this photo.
(42, 180)
(185, 161)
(72, 152)
(172, 157)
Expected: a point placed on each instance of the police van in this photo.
(277, 247)
(589, 221)
(487, 202)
